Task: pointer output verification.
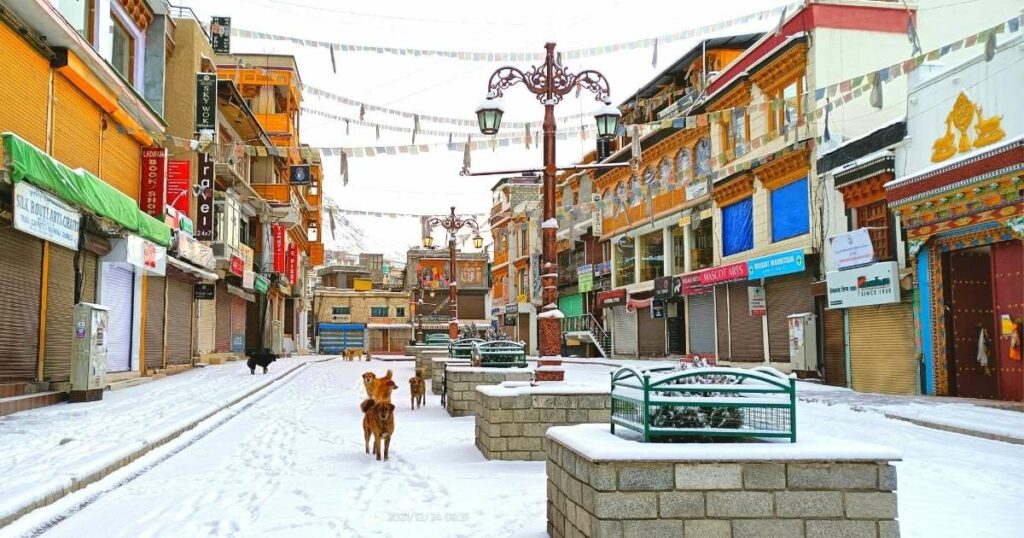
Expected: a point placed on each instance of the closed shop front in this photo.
(207, 324)
(701, 323)
(722, 321)
(785, 295)
(60, 298)
(571, 305)
(624, 328)
(835, 347)
(651, 334)
(746, 332)
(153, 348)
(74, 114)
(238, 311)
(471, 306)
(882, 354)
(25, 80)
(224, 300)
(21, 264)
(119, 297)
(179, 321)
(524, 330)
(122, 156)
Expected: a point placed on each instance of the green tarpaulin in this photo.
(571, 305)
(80, 188)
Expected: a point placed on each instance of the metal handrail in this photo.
(185, 12)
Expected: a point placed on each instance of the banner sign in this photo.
(179, 179)
(204, 210)
(202, 292)
(248, 280)
(206, 102)
(608, 299)
(697, 189)
(261, 284)
(783, 263)
(237, 265)
(756, 301)
(145, 255)
(220, 35)
(690, 285)
(725, 273)
(663, 287)
(153, 182)
(247, 255)
(38, 213)
(293, 264)
(852, 249)
(657, 309)
(865, 286)
(585, 278)
(279, 247)
(299, 174)
(604, 268)
(189, 249)
(677, 286)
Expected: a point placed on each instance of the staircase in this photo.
(586, 329)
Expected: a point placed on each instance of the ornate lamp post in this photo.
(550, 82)
(451, 224)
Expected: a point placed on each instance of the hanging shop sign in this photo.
(783, 263)
(585, 278)
(293, 264)
(512, 308)
(299, 174)
(153, 181)
(852, 249)
(756, 301)
(657, 309)
(608, 299)
(237, 265)
(248, 280)
(202, 292)
(189, 249)
(206, 102)
(602, 269)
(141, 253)
(261, 284)
(864, 286)
(247, 255)
(663, 287)
(38, 213)
(185, 224)
(220, 35)
(690, 285)
(725, 273)
(204, 212)
(677, 286)
(179, 180)
(279, 247)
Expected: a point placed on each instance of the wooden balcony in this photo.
(316, 253)
(276, 123)
(273, 192)
(500, 257)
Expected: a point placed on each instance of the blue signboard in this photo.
(783, 263)
(299, 174)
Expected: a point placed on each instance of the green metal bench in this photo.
(701, 404)
(462, 348)
(437, 340)
(499, 354)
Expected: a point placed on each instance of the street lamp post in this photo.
(451, 224)
(550, 82)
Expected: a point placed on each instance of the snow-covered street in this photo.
(292, 464)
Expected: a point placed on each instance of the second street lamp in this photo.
(451, 224)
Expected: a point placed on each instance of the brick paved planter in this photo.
(437, 371)
(463, 380)
(425, 357)
(601, 485)
(511, 421)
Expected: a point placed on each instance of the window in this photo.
(524, 282)
(226, 217)
(399, 311)
(625, 260)
(737, 227)
(790, 210)
(678, 234)
(703, 158)
(701, 245)
(734, 133)
(652, 256)
(684, 169)
(243, 230)
(665, 173)
(631, 193)
(378, 311)
(786, 106)
(79, 13)
(524, 241)
(341, 310)
(122, 55)
(876, 217)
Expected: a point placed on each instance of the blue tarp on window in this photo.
(790, 211)
(738, 227)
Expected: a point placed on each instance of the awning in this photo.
(239, 292)
(191, 269)
(79, 187)
(388, 326)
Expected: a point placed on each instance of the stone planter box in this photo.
(462, 381)
(511, 420)
(425, 360)
(605, 486)
(437, 371)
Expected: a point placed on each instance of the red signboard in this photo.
(608, 299)
(204, 213)
(278, 248)
(179, 179)
(725, 273)
(691, 284)
(153, 182)
(237, 265)
(293, 264)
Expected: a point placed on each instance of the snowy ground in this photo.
(292, 464)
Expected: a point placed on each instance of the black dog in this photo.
(260, 360)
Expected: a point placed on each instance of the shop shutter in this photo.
(179, 322)
(882, 356)
(785, 295)
(207, 322)
(702, 323)
(76, 128)
(60, 326)
(21, 263)
(722, 321)
(471, 307)
(223, 322)
(378, 340)
(571, 305)
(676, 334)
(24, 89)
(289, 316)
(122, 157)
(156, 287)
(119, 297)
(90, 265)
(650, 333)
(524, 329)
(253, 311)
(746, 332)
(835, 348)
(238, 308)
(399, 339)
(624, 327)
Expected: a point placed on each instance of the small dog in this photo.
(417, 390)
(378, 421)
(383, 389)
(369, 383)
(262, 361)
(352, 354)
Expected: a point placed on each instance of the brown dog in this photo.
(383, 388)
(353, 354)
(378, 421)
(417, 390)
(369, 383)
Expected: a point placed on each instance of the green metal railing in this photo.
(499, 354)
(462, 348)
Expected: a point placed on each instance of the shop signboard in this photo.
(293, 264)
(279, 248)
(608, 299)
(723, 274)
(187, 248)
(511, 313)
(657, 309)
(783, 263)
(603, 268)
(697, 189)
(663, 287)
(299, 174)
(38, 213)
(585, 278)
(852, 249)
(153, 182)
(204, 211)
(690, 285)
(202, 292)
(261, 284)
(248, 280)
(179, 180)
(864, 286)
(756, 301)
(237, 265)
(677, 286)
(143, 254)
(247, 255)
(220, 35)
(206, 102)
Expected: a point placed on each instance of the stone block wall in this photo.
(511, 423)
(437, 371)
(462, 382)
(425, 356)
(723, 499)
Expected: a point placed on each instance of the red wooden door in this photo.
(1008, 280)
(970, 274)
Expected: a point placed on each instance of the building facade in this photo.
(515, 282)
(380, 319)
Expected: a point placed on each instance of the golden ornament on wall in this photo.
(987, 130)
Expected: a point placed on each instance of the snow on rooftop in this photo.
(512, 388)
(849, 141)
(861, 161)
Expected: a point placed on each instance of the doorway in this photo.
(971, 359)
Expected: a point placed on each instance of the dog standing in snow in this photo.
(262, 361)
(417, 389)
(379, 423)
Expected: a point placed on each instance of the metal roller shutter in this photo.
(378, 340)
(651, 334)
(90, 264)
(207, 323)
(882, 356)
(119, 297)
(156, 288)
(60, 327)
(624, 326)
(835, 348)
(238, 309)
(180, 318)
(471, 307)
(24, 88)
(702, 323)
(746, 331)
(289, 316)
(76, 120)
(676, 334)
(223, 321)
(252, 323)
(122, 156)
(399, 339)
(722, 321)
(21, 263)
(785, 295)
